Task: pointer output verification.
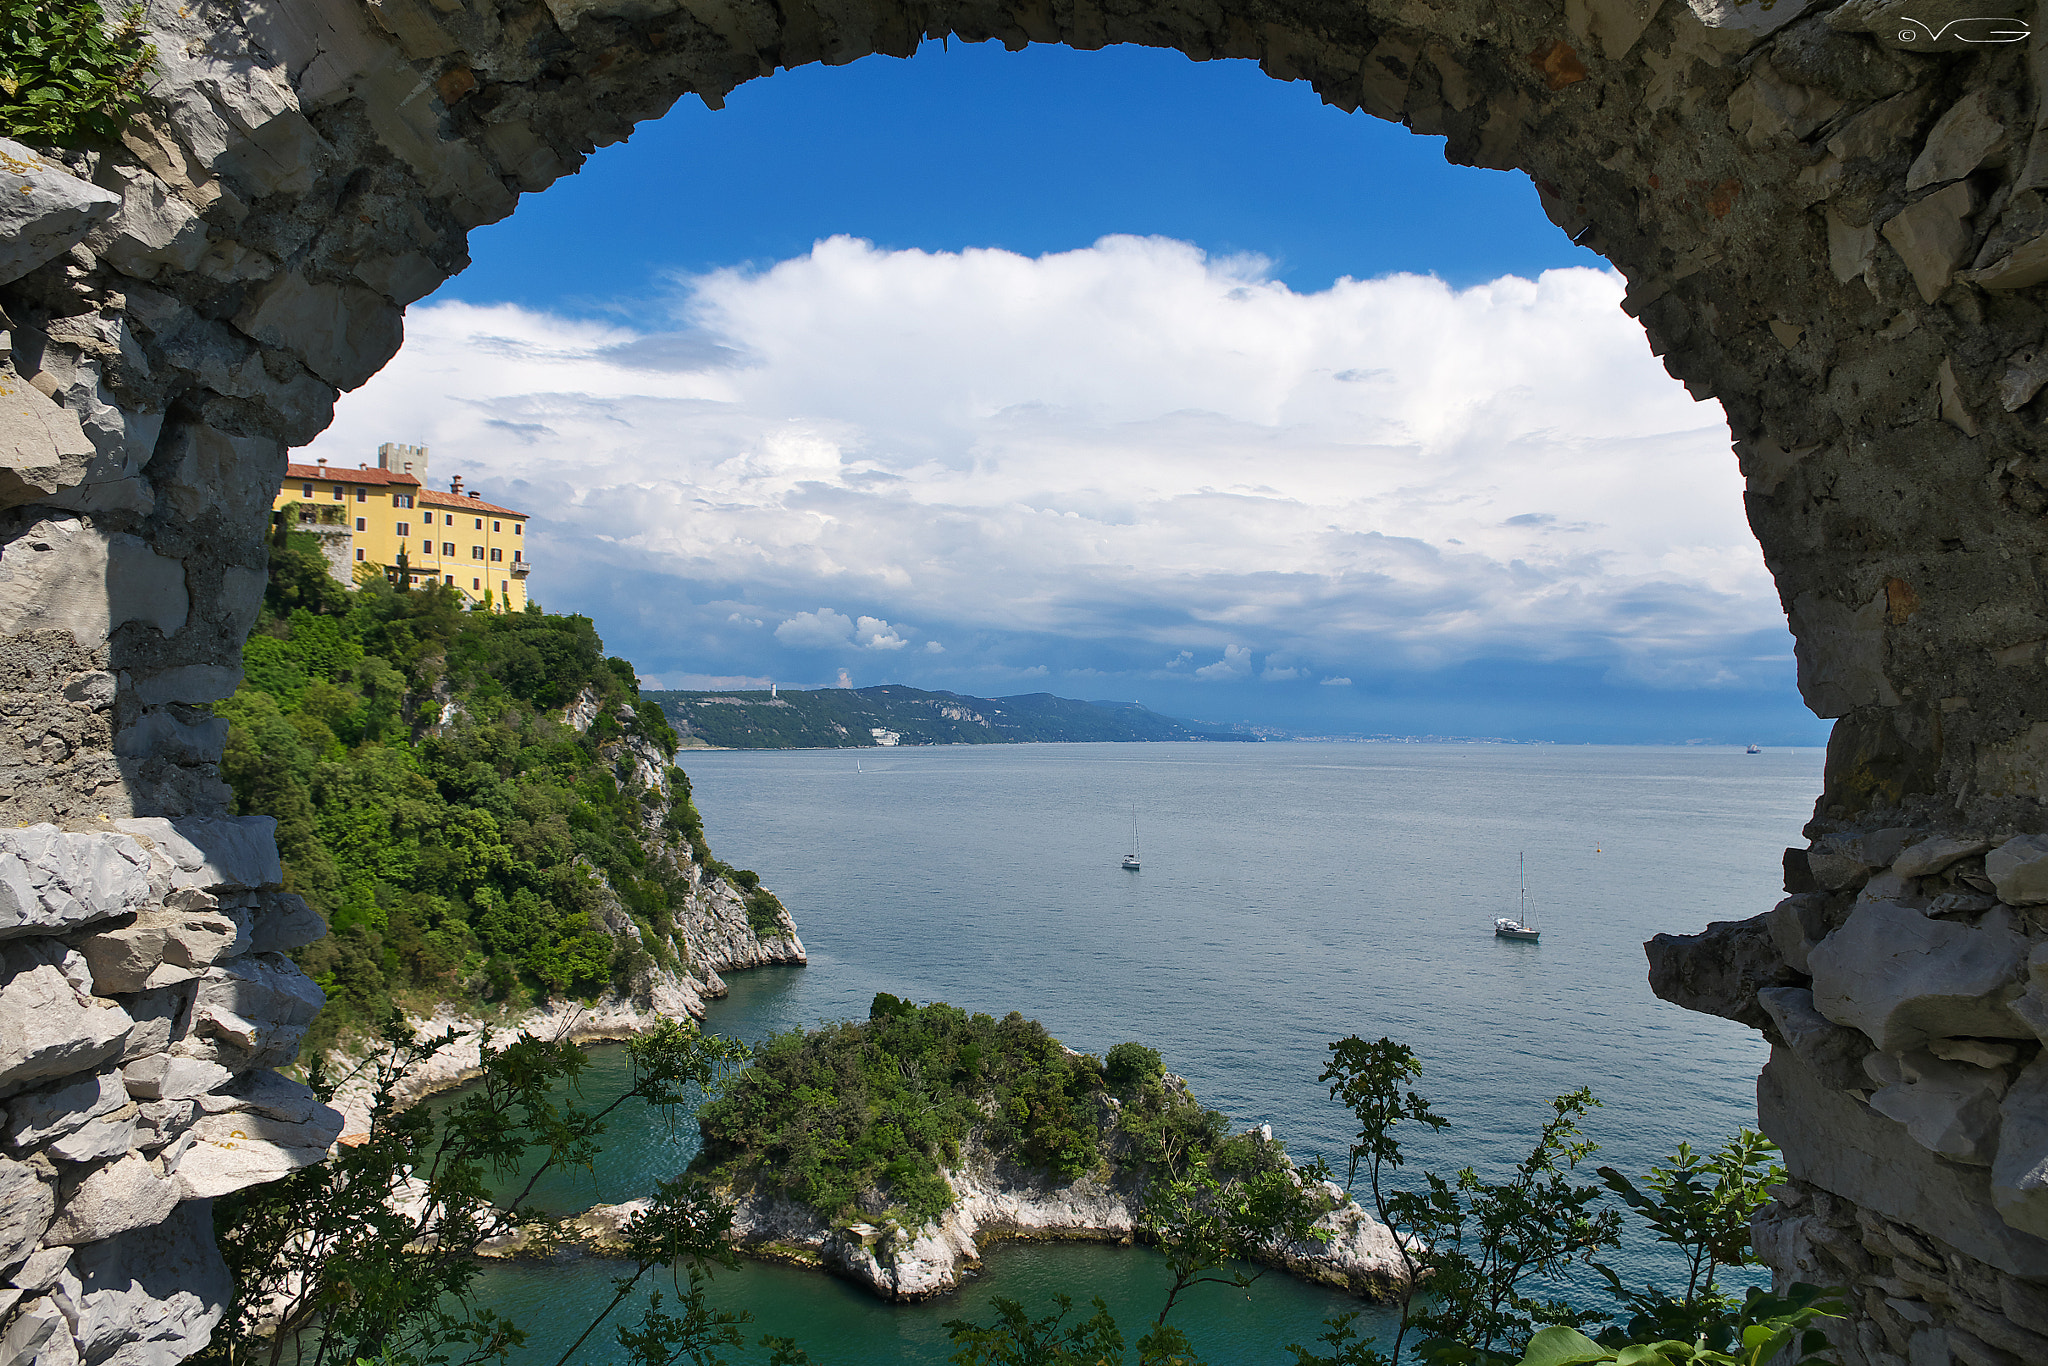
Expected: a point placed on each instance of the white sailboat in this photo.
(1131, 859)
(1518, 926)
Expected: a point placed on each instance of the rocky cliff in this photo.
(1831, 218)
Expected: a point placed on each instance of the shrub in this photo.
(66, 78)
(1128, 1066)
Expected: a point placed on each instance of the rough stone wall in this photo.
(1831, 217)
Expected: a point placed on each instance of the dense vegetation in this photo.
(462, 841)
(67, 78)
(860, 1117)
(846, 718)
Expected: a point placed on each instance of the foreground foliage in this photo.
(67, 77)
(371, 1255)
(463, 842)
(873, 1110)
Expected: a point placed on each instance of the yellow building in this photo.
(377, 519)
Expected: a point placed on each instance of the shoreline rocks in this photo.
(995, 1202)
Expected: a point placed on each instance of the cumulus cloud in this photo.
(1110, 456)
(819, 630)
(872, 633)
(1336, 682)
(1235, 664)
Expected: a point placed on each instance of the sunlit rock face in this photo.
(1831, 218)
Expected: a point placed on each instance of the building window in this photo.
(339, 493)
(362, 494)
(448, 549)
(359, 554)
(405, 528)
(505, 589)
(306, 515)
(518, 527)
(362, 525)
(479, 524)
(515, 557)
(427, 517)
(450, 578)
(497, 526)
(476, 583)
(401, 500)
(305, 490)
(476, 552)
(497, 554)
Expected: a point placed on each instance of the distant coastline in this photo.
(892, 715)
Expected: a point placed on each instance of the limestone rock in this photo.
(1931, 239)
(1903, 979)
(257, 1005)
(1720, 970)
(1841, 1145)
(1833, 1054)
(155, 228)
(48, 1027)
(2019, 1178)
(1929, 857)
(245, 1147)
(128, 958)
(40, 1116)
(162, 1077)
(236, 853)
(1975, 1052)
(151, 1296)
(40, 1271)
(283, 921)
(1950, 1108)
(40, 1335)
(61, 574)
(44, 210)
(2019, 870)
(1797, 924)
(42, 447)
(26, 1206)
(128, 1194)
(51, 881)
(1958, 143)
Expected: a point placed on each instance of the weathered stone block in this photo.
(258, 1006)
(1903, 979)
(151, 1296)
(282, 921)
(49, 1027)
(51, 881)
(2018, 869)
(231, 852)
(244, 1148)
(27, 1204)
(127, 1194)
(44, 210)
(39, 1116)
(61, 574)
(1929, 857)
(1950, 1108)
(1841, 1145)
(1720, 970)
(1834, 1054)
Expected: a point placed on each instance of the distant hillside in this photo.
(838, 718)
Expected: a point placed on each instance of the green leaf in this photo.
(1561, 1346)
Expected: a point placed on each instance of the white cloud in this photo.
(1235, 664)
(703, 682)
(932, 647)
(1335, 682)
(1129, 448)
(872, 633)
(819, 630)
(1273, 674)
(844, 680)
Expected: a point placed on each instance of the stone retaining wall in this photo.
(1831, 217)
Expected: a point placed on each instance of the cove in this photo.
(1291, 894)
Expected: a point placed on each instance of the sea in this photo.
(1290, 894)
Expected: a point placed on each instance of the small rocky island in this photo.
(892, 1151)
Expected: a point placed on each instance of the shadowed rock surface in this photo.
(1831, 217)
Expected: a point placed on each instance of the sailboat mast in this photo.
(1522, 871)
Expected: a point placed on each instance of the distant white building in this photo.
(885, 737)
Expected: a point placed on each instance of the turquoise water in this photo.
(1291, 894)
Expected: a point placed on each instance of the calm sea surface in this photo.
(1291, 894)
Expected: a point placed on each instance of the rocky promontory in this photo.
(895, 1151)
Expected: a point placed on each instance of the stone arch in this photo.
(1830, 217)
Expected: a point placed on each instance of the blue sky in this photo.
(1106, 374)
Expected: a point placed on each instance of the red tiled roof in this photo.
(431, 499)
(337, 474)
